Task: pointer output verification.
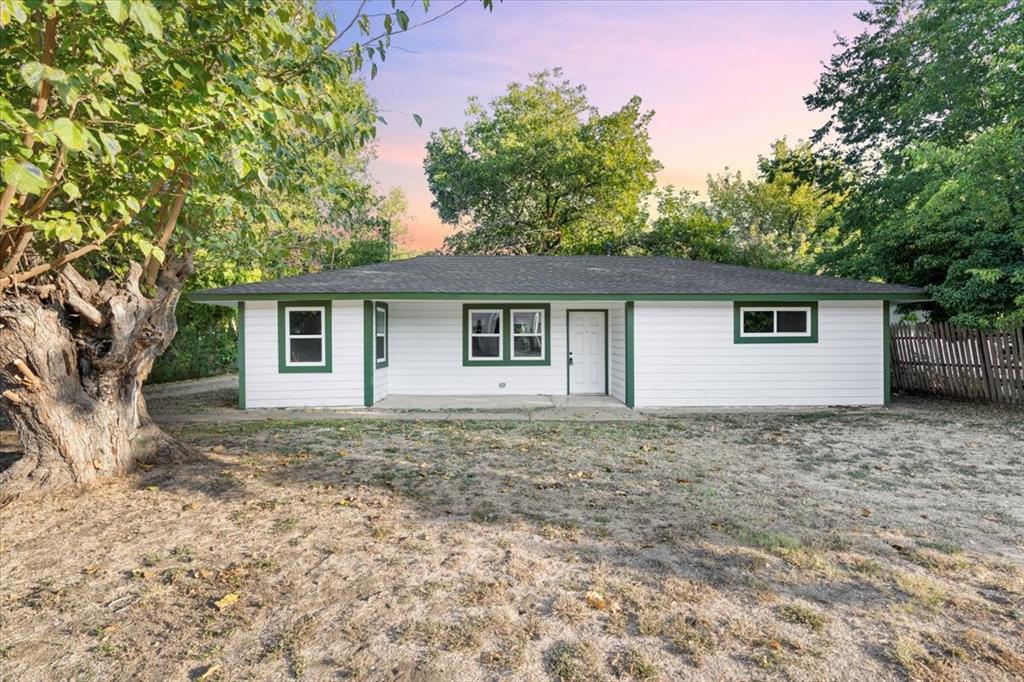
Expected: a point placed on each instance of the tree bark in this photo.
(73, 358)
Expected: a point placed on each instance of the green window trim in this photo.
(282, 338)
(738, 336)
(377, 308)
(506, 310)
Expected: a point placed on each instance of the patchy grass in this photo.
(705, 547)
(803, 615)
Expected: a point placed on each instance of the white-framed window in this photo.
(775, 322)
(527, 334)
(304, 336)
(380, 331)
(485, 342)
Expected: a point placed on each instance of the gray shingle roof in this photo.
(583, 275)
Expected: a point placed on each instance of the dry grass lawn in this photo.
(843, 544)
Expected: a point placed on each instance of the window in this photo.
(776, 323)
(485, 334)
(304, 337)
(527, 334)
(506, 334)
(380, 327)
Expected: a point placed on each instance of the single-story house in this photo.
(647, 331)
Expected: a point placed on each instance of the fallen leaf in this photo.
(226, 601)
(596, 600)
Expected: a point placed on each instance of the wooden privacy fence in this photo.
(940, 359)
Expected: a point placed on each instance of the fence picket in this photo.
(941, 359)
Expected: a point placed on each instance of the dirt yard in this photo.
(849, 544)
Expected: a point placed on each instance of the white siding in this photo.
(426, 353)
(617, 352)
(685, 355)
(266, 387)
(380, 383)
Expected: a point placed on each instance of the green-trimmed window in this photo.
(506, 334)
(528, 334)
(304, 336)
(775, 322)
(380, 334)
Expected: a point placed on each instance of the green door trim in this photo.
(568, 336)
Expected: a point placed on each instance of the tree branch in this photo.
(42, 98)
(113, 229)
(152, 266)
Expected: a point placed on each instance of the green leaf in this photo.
(403, 19)
(71, 190)
(418, 119)
(71, 134)
(68, 231)
(133, 79)
(133, 204)
(32, 73)
(145, 15)
(264, 84)
(142, 129)
(119, 51)
(373, 71)
(110, 146)
(117, 9)
(26, 178)
(12, 9)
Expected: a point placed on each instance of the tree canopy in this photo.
(778, 219)
(152, 130)
(927, 108)
(540, 170)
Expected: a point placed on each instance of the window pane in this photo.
(792, 321)
(304, 321)
(382, 321)
(380, 347)
(758, 322)
(486, 323)
(306, 350)
(527, 347)
(485, 346)
(526, 323)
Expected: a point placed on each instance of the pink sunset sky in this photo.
(724, 78)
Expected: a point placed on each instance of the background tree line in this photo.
(916, 178)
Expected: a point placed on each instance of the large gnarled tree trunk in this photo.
(73, 357)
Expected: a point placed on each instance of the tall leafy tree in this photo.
(781, 218)
(927, 106)
(539, 170)
(130, 130)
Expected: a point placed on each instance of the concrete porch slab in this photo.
(494, 403)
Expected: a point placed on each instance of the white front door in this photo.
(587, 348)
